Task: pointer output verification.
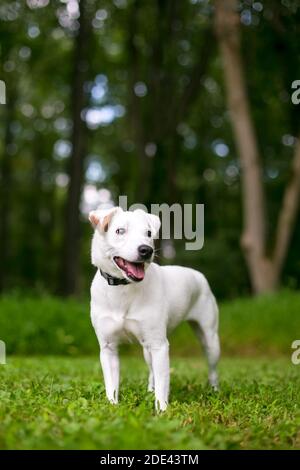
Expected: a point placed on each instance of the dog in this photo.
(133, 296)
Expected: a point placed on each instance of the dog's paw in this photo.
(113, 401)
(214, 381)
(160, 406)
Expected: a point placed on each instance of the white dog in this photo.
(131, 295)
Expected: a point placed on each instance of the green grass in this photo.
(59, 403)
(50, 325)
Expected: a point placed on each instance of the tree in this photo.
(71, 247)
(264, 267)
(168, 103)
(6, 186)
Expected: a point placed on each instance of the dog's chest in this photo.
(123, 302)
(123, 316)
(117, 326)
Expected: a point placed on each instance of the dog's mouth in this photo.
(134, 271)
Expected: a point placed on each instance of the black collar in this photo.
(113, 281)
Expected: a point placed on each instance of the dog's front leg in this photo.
(148, 359)
(161, 372)
(110, 366)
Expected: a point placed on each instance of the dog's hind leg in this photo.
(211, 346)
(205, 325)
(148, 359)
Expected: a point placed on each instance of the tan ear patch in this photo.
(101, 218)
(105, 222)
(94, 219)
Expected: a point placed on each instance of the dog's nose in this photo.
(145, 251)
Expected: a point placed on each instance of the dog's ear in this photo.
(154, 223)
(101, 218)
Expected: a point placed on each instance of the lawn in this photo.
(59, 403)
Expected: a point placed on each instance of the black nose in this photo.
(145, 251)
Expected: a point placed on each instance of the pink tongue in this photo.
(135, 269)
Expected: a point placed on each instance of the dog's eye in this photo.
(149, 233)
(120, 231)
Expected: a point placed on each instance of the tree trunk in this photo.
(288, 213)
(137, 131)
(264, 270)
(162, 111)
(71, 243)
(6, 190)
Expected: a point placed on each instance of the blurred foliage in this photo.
(156, 122)
(46, 325)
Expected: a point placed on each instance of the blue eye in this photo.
(120, 231)
(149, 233)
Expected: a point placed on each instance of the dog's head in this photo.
(123, 243)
